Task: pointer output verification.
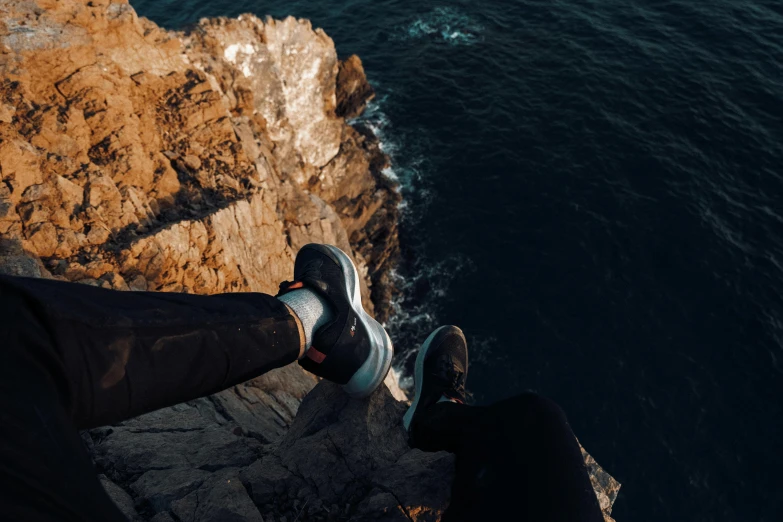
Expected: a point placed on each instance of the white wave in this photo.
(407, 167)
(392, 175)
(445, 23)
(417, 306)
(415, 311)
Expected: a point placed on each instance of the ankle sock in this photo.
(311, 309)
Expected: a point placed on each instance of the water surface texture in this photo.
(594, 193)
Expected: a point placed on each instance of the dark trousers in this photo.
(516, 460)
(74, 357)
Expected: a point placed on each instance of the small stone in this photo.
(115, 281)
(7, 113)
(35, 192)
(192, 162)
(15, 261)
(138, 284)
(97, 235)
(44, 240)
(120, 497)
(68, 243)
(71, 194)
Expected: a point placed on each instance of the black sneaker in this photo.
(353, 350)
(441, 370)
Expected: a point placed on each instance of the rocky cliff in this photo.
(136, 158)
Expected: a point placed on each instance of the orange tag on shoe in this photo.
(315, 355)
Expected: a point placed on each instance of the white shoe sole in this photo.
(418, 376)
(374, 370)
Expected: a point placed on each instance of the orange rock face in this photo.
(192, 162)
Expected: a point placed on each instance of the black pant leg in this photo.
(121, 354)
(74, 356)
(516, 460)
(45, 472)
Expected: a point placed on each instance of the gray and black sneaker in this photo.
(353, 350)
(441, 370)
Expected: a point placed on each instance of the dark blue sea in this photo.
(594, 193)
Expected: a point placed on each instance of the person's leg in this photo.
(114, 355)
(121, 354)
(45, 472)
(516, 460)
(75, 356)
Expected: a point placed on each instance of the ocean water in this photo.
(594, 193)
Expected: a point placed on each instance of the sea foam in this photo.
(446, 24)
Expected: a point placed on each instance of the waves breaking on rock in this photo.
(421, 283)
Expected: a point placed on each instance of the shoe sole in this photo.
(418, 374)
(374, 370)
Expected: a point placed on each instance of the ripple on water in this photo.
(445, 24)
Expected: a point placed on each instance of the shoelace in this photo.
(450, 377)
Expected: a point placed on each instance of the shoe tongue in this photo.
(308, 268)
(316, 285)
